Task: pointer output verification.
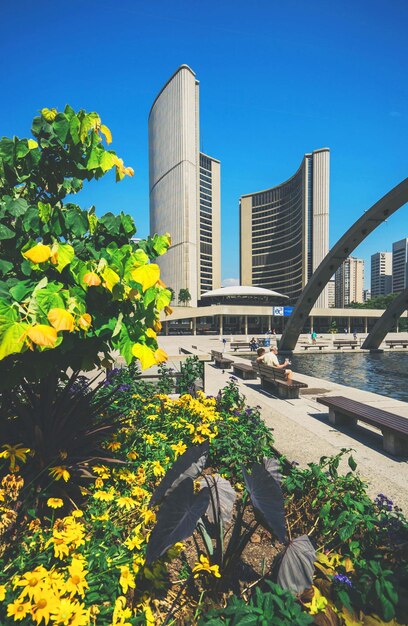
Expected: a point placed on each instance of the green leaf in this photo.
(76, 221)
(21, 290)
(352, 463)
(6, 232)
(16, 207)
(11, 340)
(48, 299)
(161, 243)
(65, 254)
(22, 148)
(74, 128)
(61, 126)
(163, 299)
(5, 266)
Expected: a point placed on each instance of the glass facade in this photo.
(206, 225)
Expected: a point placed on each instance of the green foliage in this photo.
(191, 371)
(274, 607)
(62, 424)
(73, 287)
(379, 302)
(184, 296)
(243, 435)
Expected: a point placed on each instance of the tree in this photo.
(73, 288)
(184, 296)
(172, 293)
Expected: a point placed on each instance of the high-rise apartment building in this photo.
(285, 230)
(381, 274)
(399, 265)
(184, 189)
(349, 280)
(331, 293)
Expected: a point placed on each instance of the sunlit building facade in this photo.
(349, 280)
(184, 189)
(400, 265)
(284, 230)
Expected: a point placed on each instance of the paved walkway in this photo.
(301, 428)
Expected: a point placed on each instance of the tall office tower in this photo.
(381, 274)
(285, 230)
(184, 189)
(349, 280)
(210, 227)
(399, 265)
(331, 293)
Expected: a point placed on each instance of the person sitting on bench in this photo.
(271, 358)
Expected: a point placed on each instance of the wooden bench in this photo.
(345, 343)
(396, 342)
(309, 346)
(220, 360)
(236, 345)
(244, 370)
(273, 378)
(343, 411)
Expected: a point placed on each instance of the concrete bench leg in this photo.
(394, 444)
(286, 393)
(338, 419)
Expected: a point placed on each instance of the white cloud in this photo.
(230, 282)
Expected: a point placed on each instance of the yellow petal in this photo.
(146, 275)
(38, 254)
(43, 335)
(144, 354)
(85, 321)
(61, 319)
(160, 355)
(150, 333)
(91, 279)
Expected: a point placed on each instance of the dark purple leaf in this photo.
(188, 465)
(296, 565)
(273, 468)
(177, 518)
(223, 496)
(267, 499)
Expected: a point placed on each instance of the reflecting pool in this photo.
(384, 373)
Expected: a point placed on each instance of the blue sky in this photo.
(277, 79)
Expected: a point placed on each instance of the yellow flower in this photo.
(158, 469)
(149, 439)
(18, 451)
(55, 503)
(147, 516)
(60, 471)
(105, 496)
(126, 579)
(98, 483)
(124, 502)
(77, 513)
(32, 582)
(139, 492)
(2, 592)
(136, 540)
(64, 611)
(44, 604)
(152, 417)
(179, 448)
(198, 438)
(101, 471)
(18, 610)
(132, 456)
(76, 583)
(203, 565)
(114, 446)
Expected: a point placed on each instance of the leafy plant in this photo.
(62, 426)
(184, 296)
(191, 371)
(73, 287)
(273, 607)
(210, 511)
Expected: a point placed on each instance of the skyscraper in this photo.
(349, 280)
(285, 230)
(399, 265)
(381, 274)
(184, 189)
